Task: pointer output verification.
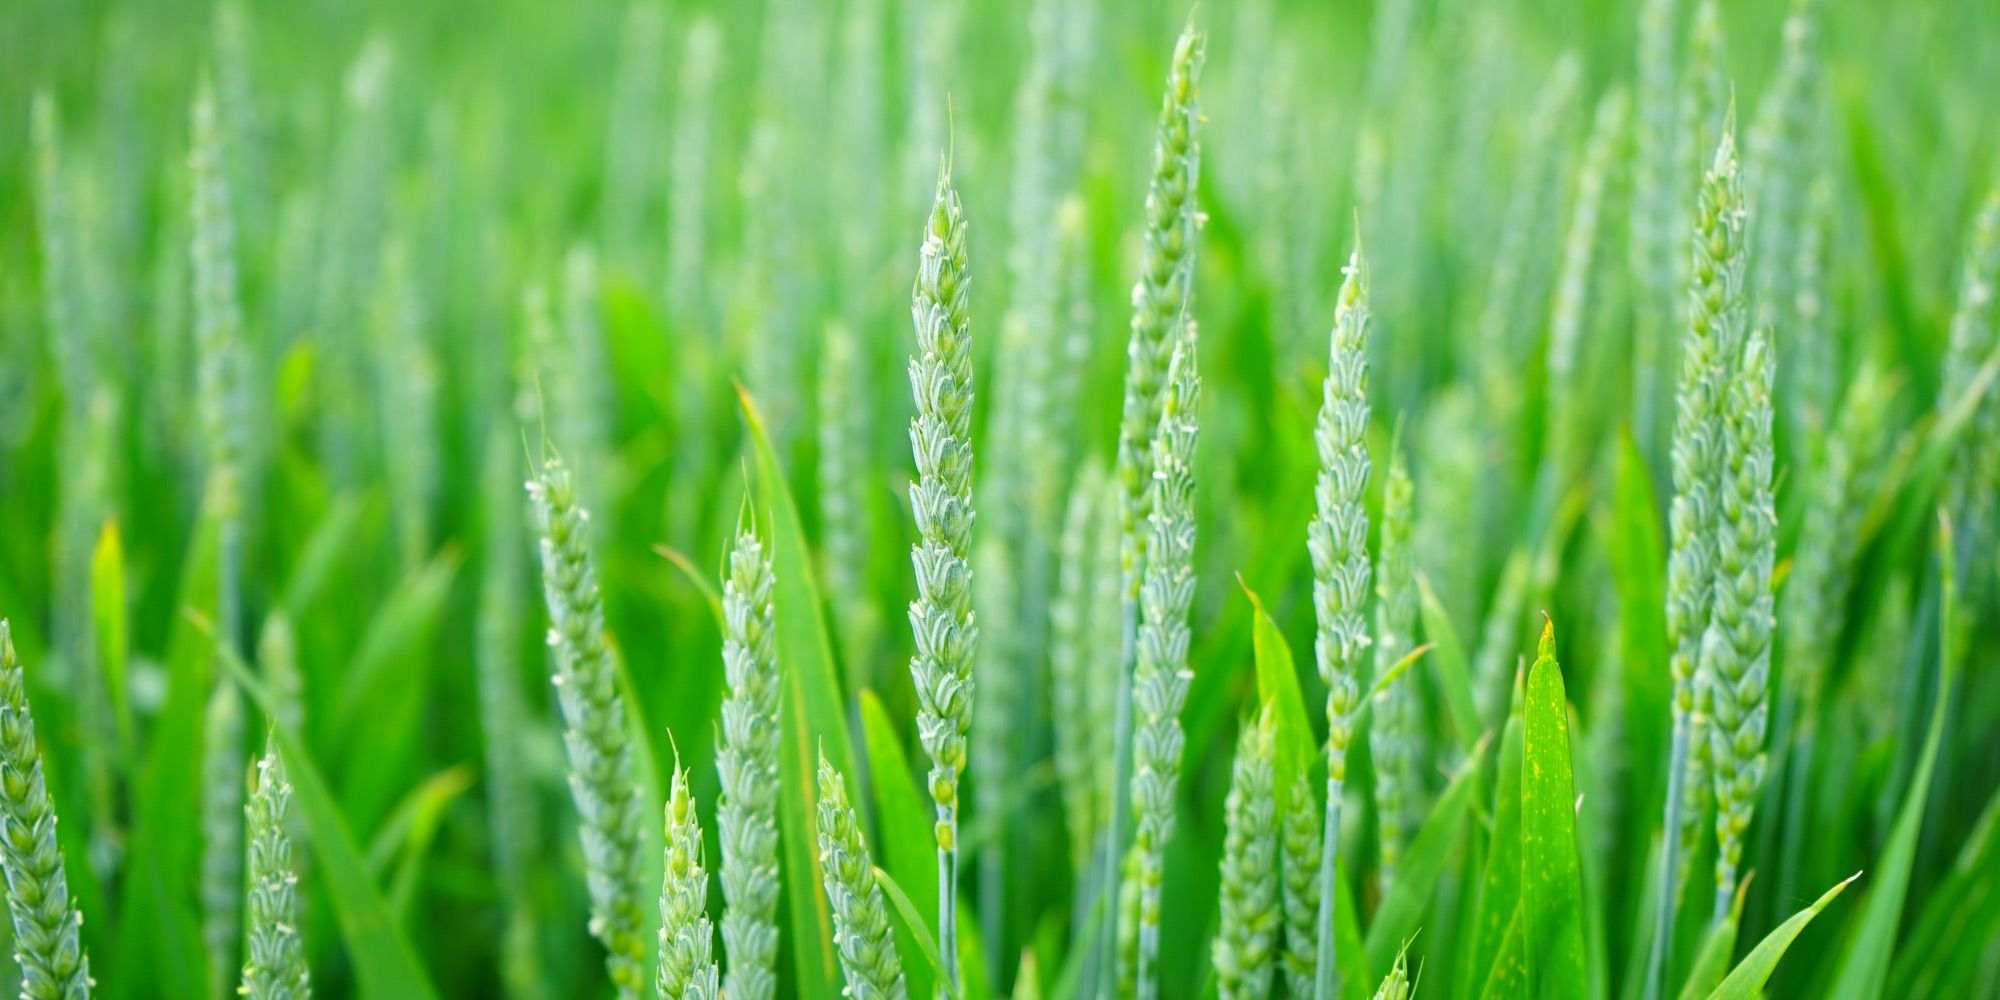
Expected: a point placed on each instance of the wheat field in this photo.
(949, 498)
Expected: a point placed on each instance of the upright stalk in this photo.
(1337, 540)
(1716, 315)
(1159, 300)
(946, 632)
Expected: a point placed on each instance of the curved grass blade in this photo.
(813, 719)
(1747, 981)
(1496, 930)
(1711, 964)
(913, 924)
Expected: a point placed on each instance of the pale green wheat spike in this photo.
(746, 760)
(947, 634)
(1106, 629)
(861, 933)
(218, 323)
(1655, 246)
(222, 844)
(687, 968)
(274, 958)
(1397, 985)
(47, 926)
(1161, 296)
(236, 101)
(763, 308)
(1779, 156)
(1337, 539)
(688, 166)
(1299, 847)
(601, 777)
(1247, 940)
(1161, 675)
(1160, 300)
(845, 478)
(1389, 729)
(633, 141)
(1816, 363)
(1717, 315)
(1736, 652)
(1566, 423)
(1073, 666)
(1975, 465)
(582, 367)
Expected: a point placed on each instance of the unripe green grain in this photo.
(47, 926)
(274, 960)
(601, 775)
(1736, 652)
(1299, 847)
(746, 758)
(1389, 728)
(861, 933)
(1161, 675)
(947, 634)
(687, 968)
(1247, 938)
(1337, 540)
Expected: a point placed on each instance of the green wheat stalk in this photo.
(1299, 850)
(687, 968)
(860, 917)
(47, 926)
(1975, 463)
(601, 775)
(946, 631)
(1736, 652)
(1161, 675)
(746, 759)
(1160, 298)
(1390, 731)
(1247, 938)
(1655, 245)
(689, 169)
(1716, 318)
(274, 958)
(1073, 664)
(218, 323)
(1337, 540)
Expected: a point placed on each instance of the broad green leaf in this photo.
(814, 720)
(1454, 673)
(407, 837)
(1747, 981)
(1409, 898)
(1711, 964)
(1864, 966)
(384, 962)
(1551, 873)
(903, 817)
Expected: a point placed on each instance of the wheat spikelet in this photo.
(1247, 938)
(746, 758)
(46, 923)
